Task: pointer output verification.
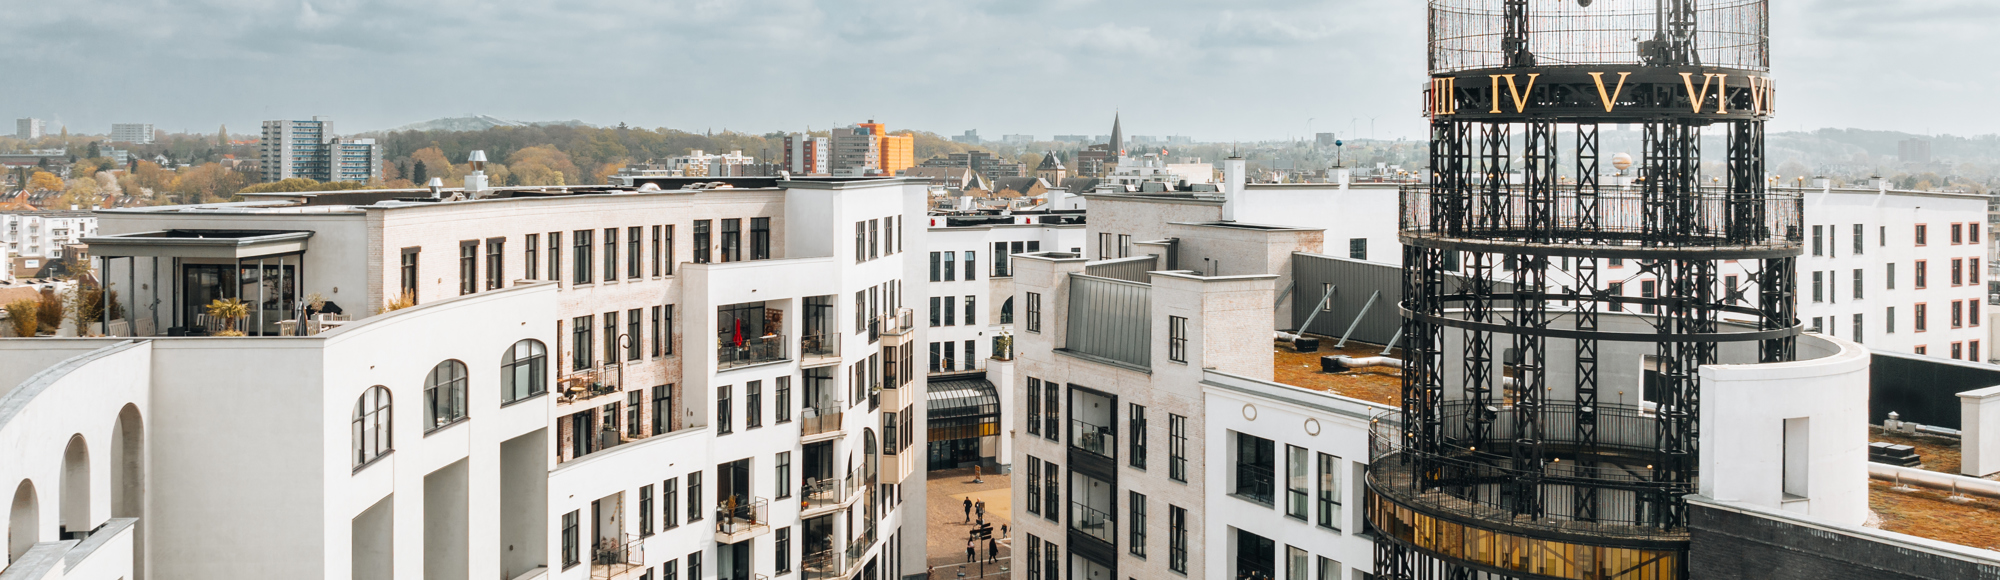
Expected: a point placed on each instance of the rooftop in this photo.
(1926, 513)
(1375, 384)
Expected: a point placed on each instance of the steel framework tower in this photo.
(1549, 423)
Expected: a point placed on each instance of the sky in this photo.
(1216, 70)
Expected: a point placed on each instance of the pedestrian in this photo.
(981, 508)
(968, 509)
(971, 553)
(1003, 530)
(992, 550)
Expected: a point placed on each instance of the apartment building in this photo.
(1899, 271)
(43, 234)
(970, 318)
(806, 155)
(30, 128)
(855, 151)
(134, 133)
(311, 149)
(699, 396)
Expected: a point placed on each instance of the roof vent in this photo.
(437, 187)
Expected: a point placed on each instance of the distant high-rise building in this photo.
(983, 163)
(30, 128)
(309, 149)
(1017, 139)
(134, 133)
(1073, 138)
(1323, 139)
(855, 150)
(1914, 150)
(806, 154)
(971, 137)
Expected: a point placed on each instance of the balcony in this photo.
(591, 382)
(732, 353)
(830, 493)
(1092, 522)
(1088, 436)
(618, 561)
(828, 564)
(816, 421)
(736, 522)
(819, 350)
(859, 547)
(898, 323)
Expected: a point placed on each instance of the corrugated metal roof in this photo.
(961, 398)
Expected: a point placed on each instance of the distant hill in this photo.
(481, 123)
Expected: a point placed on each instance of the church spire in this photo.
(1117, 136)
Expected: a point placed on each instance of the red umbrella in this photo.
(738, 336)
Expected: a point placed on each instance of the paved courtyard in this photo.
(948, 491)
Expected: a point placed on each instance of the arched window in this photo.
(1007, 311)
(524, 371)
(373, 435)
(444, 394)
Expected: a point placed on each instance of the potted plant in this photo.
(22, 317)
(228, 310)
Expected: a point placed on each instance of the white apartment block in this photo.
(42, 234)
(310, 149)
(134, 133)
(30, 128)
(682, 391)
(971, 315)
(1898, 271)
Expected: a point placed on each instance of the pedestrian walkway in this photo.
(947, 491)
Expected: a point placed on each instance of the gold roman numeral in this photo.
(1610, 100)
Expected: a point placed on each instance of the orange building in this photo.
(897, 152)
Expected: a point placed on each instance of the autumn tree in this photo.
(44, 181)
(541, 165)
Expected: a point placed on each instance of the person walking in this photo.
(971, 553)
(981, 508)
(992, 550)
(968, 510)
(1003, 530)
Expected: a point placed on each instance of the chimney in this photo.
(1343, 176)
(476, 181)
(437, 187)
(1232, 186)
(1879, 183)
(1823, 183)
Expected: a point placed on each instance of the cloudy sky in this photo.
(1215, 70)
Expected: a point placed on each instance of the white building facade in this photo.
(134, 133)
(310, 149)
(42, 234)
(1898, 271)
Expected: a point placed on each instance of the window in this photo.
(1052, 410)
(1136, 420)
(668, 251)
(374, 432)
(667, 332)
(468, 267)
(610, 254)
(1922, 317)
(723, 411)
(1104, 246)
(581, 332)
(1859, 289)
(760, 238)
(1034, 485)
(409, 278)
(1177, 539)
(1731, 293)
(581, 250)
(950, 360)
(937, 312)
(1137, 523)
(662, 404)
(1177, 447)
(1923, 274)
(645, 510)
(658, 335)
(971, 359)
(874, 239)
(1034, 400)
(694, 498)
(694, 565)
(1957, 314)
(1957, 272)
(670, 504)
(1921, 349)
(657, 257)
(524, 371)
(1328, 569)
(1972, 350)
(784, 474)
(1034, 312)
(1256, 459)
(890, 433)
(971, 265)
(783, 552)
(950, 266)
(1007, 311)
(1889, 275)
(1818, 248)
(1957, 350)
(937, 268)
(1858, 245)
(732, 240)
(783, 407)
(668, 570)
(1298, 565)
(635, 336)
(1819, 286)
(1124, 246)
(1357, 248)
(860, 242)
(1857, 336)
(611, 337)
(1956, 236)
(1650, 289)
(1972, 312)
(1882, 236)
(572, 547)
(937, 357)
(1329, 491)
(1298, 485)
(1972, 270)
(1889, 320)
(555, 256)
(1615, 290)
(1177, 339)
(970, 318)
(950, 311)
(1922, 238)
(635, 254)
(1052, 491)
(444, 394)
(1035, 558)
(702, 254)
(496, 266)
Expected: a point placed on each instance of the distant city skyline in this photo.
(1255, 71)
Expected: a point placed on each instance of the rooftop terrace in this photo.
(1375, 384)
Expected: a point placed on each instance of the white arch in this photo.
(24, 528)
(75, 493)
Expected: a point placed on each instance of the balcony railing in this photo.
(591, 382)
(831, 491)
(1088, 436)
(818, 420)
(1089, 520)
(733, 519)
(1254, 482)
(819, 345)
(731, 353)
(859, 547)
(898, 323)
(827, 564)
(616, 560)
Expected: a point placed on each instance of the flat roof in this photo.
(200, 243)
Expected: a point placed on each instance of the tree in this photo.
(44, 181)
(541, 165)
(420, 173)
(222, 136)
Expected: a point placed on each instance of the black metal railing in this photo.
(730, 353)
(1254, 481)
(1092, 437)
(742, 515)
(819, 345)
(1613, 215)
(590, 382)
(1097, 523)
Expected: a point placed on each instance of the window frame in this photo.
(374, 428)
(496, 263)
(583, 256)
(531, 247)
(535, 359)
(635, 252)
(1177, 448)
(1177, 339)
(468, 267)
(454, 409)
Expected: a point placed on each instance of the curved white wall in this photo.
(1744, 431)
(80, 397)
